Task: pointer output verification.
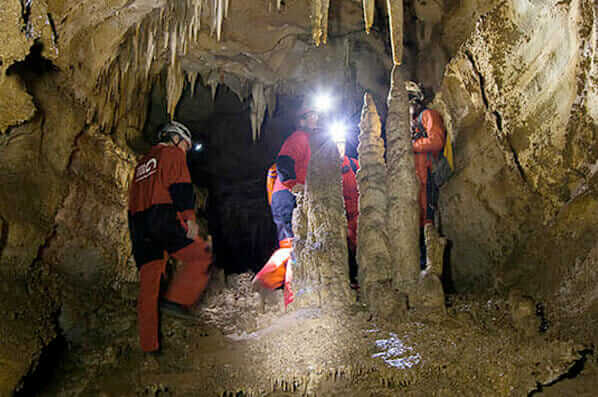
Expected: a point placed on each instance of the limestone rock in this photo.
(16, 105)
(428, 293)
(523, 313)
(435, 246)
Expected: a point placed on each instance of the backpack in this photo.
(443, 166)
(270, 180)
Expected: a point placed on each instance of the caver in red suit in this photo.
(291, 167)
(429, 140)
(296, 152)
(161, 214)
(351, 195)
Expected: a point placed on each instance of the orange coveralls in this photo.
(161, 200)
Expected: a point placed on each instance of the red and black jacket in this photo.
(292, 161)
(161, 199)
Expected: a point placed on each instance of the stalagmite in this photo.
(403, 210)
(258, 110)
(321, 275)
(368, 14)
(435, 246)
(319, 15)
(395, 21)
(373, 255)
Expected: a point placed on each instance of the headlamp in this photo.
(323, 102)
(198, 147)
(337, 131)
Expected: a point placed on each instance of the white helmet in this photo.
(414, 92)
(174, 127)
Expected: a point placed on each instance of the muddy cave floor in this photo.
(244, 345)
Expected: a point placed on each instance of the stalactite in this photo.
(369, 7)
(174, 86)
(319, 15)
(271, 100)
(278, 4)
(192, 78)
(403, 210)
(167, 32)
(196, 23)
(149, 53)
(173, 44)
(213, 80)
(258, 110)
(220, 17)
(373, 255)
(395, 21)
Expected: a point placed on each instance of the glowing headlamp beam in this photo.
(323, 102)
(338, 130)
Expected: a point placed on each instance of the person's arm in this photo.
(354, 164)
(432, 123)
(181, 190)
(289, 160)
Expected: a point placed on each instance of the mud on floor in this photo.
(238, 349)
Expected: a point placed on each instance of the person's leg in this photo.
(283, 203)
(190, 281)
(147, 303)
(273, 274)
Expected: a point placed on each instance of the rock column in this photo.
(373, 255)
(403, 210)
(321, 274)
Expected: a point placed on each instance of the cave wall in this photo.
(518, 99)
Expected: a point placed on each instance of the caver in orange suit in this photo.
(161, 200)
(427, 147)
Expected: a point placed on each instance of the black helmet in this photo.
(174, 127)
